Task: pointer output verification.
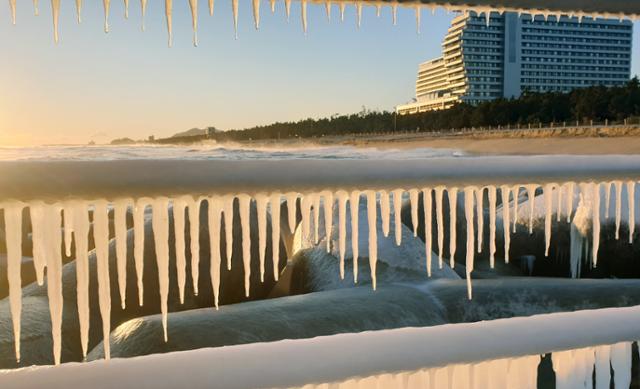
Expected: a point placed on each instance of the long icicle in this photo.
(358, 13)
(548, 201)
(138, 246)
(327, 7)
(354, 205)
(571, 188)
(245, 220)
(275, 233)
(631, 196)
(160, 224)
(211, 7)
(143, 9)
(397, 213)
(12, 4)
(36, 9)
(292, 205)
(168, 11)
(179, 210)
(559, 209)
(68, 227)
(418, 11)
(79, 9)
(516, 202)
(479, 193)
(427, 206)
(394, 13)
(101, 238)
(81, 236)
(596, 223)
(287, 9)
(13, 227)
(342, 5)
(453, 210)
(234, 9)
(440, 224)
(316, 217)
(468, 213)
(256, 13)
(272, 3)
(385, 212)
(120, 223)
(607, 198)
(327, 197)
(531, 198)
(505, 193)
(194, 233)
(618, 186)
(261, 206)
(227, 209)
(372, 211)
(193, 4)
(414, 199)
(38, 233)
(215, 213)
(303, 14)
(342, 233)
(126, 9)
(492, 225)
(55, 11)
(53, 239)
(107, 5)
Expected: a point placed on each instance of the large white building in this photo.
(510, 53)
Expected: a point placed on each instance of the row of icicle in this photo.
(193, 5)
(573, 369)
(46, 220)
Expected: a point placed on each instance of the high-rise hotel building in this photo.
(510, 53)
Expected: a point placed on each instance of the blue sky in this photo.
(96, 86)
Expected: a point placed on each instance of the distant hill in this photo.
(123, 141)
(191, 132)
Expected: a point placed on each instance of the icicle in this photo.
(126, 9)
(570, 193)
(245, 220)
(414, 200)
(378, 10)
(160, 224)
(227, 209)
(275, 233)
(342, 9)
(385, 212)
(359, 13)
(211, 7)
(505, 193)
(621, 364)
(315, 200)
(179, 210)
(479, 193)
(138, 246)
(394, 13)
(327, 7)
(618, 186)
(68, 228)
(53, 242)
(342, 233)
(194, 232)
(559, 209)
(143, 6)
(13, 230)
(468, 213)
(548, 192)
(631, 195)
(79, 9)
(596, 223)
(531, 198)
(418, 14)
(292, 203)
(107, 4)
(440, 224)
(120, 223)
(305, 210)
(373, 235)
(603, 367)
(287, 8)
(397, 213)
(261, 206)
(453, 210)
(256, 13)
(328, 216)
(12, 4)
(516, 202)
(427, 205)
(36, 9)
(215, 213)
(193, 4)
(38, 235)
(354, 205)
(55, 10)
(303, 14)
(81, 236)
(101, 238)
(492, 225)
(273, 5)
(607, 198)
(168, 5)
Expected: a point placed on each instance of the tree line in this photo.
(583, 105)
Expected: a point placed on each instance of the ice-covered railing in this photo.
(497, 354)
(620, 9)
(54, 191)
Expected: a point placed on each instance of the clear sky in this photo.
(96, 86)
